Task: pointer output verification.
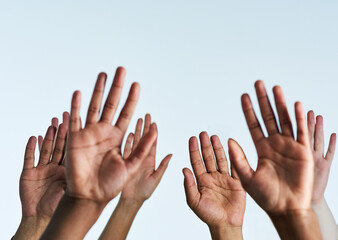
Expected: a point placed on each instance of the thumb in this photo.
(240, 163)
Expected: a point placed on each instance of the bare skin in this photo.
(96, 171)
(218, 199)
(139, 188)
(283, 181)
(323, 163)
(42, 186)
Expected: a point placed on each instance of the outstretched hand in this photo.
(322, 163)
(218, 199)
(42, 187)
(95, 168)
(283, 179)
(145, 181)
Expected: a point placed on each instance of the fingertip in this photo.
(259, 83)
(310, 114)
(203, 134)
(147, 117)
(121, 70)
(55, 121)
(65, 117)
(319, 119)
(102, 75)
(193, 143)
(31, 141)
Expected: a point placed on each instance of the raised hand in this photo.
(282, 183)
(145, 181)
(219, 198)
(322, 163)
(42, 186)
(96, 171)
(95, 167)
(139, 188)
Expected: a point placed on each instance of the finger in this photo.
(311, 127)
(153, 148)
(138, 131)
(40, 141)
(319, 136)
(141, 151)
(55, 122)
(127, 146)
(207, 153)
(191, 192)
(147, 123)
(221, 159)
(65, 118)
(29, 153)
(302, 131)
(240, 163)
(251, 119)
(47, 146)
(266, 109)
(114, 95)
(161, 168)
(282, 110)
(75, 119)
(96, 100)
(234, 173)
(128, 108)
(60, 142)
(195, 157)
(332, 147)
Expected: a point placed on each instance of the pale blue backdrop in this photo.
(193, 60)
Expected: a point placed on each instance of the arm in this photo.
(138, 189)
(326, 220)
(42, 187)
(95, 170)
(218, 199)
(282, 183)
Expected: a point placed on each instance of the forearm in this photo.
(31, 228)
(72, 219)
(226, 232)
(121, 220)
(298, 224)
(326, 220)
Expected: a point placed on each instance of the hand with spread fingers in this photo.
(326, 219)
(42, 186)
(282, 183)
(139, 188)
(218, 199)
(96, 171)
(322, 163)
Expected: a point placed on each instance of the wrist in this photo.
(297, 224)
(130, 204)
(31, 227)
(226, 232)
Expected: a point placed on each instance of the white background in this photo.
(193, 60)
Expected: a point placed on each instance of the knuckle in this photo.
(110, 105)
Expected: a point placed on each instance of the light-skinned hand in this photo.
(322, 163)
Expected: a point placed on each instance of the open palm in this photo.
(145, 181)
(95, 167)
(284, 175)
(322, 163)
(218, 199)
(42, 187)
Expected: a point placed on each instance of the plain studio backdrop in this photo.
(193, 60)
